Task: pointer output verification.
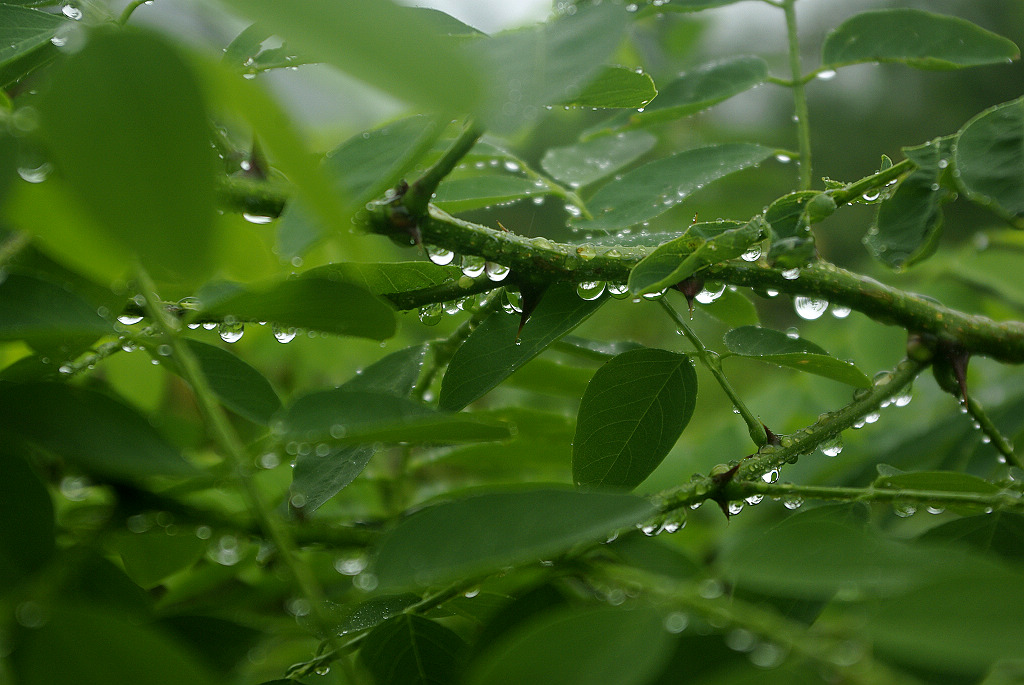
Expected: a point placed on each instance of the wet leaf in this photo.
(915, 38)
(473, 192)
(633, 412)
(990, 160)
(483, 533)
(998, 533)
(239, 386)
(616, 87)
(652, 189)
(412, 650)
(23, 30)
(702, 87)
(586, 162)
(395, 281)
(151, 556)
(491, 352)
(26, 520)
(775, 347)
(45, 315)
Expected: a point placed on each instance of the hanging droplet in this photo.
(791, 274)
(586, 252)
(71, 12)
(792, 333)
(840, 312)
(473, 266)
(827, 74)
(903, 508)
(832, 447)
(284, 334)
(792, 501)
(754, 499)
(129, 319)
(770, 476)
(257, 218)
(904, 398)
(431, 314)
(439, 255)
(35, 174)
(809, 308)
(231, 332)
(590, 290)
(709, 293)
(872, 417)
(496, 272)
(752, 254)
(656, 295)
(619, 291)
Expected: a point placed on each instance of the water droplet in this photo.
(710, 292)
(164, 350)
(573, 211)
(904, 398)
(809, 308)
(71, 12)
(257, 218)
(36, 174)
(496, 272)
(770, 476)
(225, 551)
(632, 7)
(586, 252)
(791, 274)
(231, 332)
(871, 196)
(511, 166)
(752, 254)
(129, 319)
(872, 417)
(656, 295)
(473, 266)
(903, 508)
(322, 669)
(832, 447)
(75, 488)
(754, 499)
(284, 334)
(350, 566)
(676, 622)
(792, 501)
(827, 74)
(767, 655)
(367, 582)
(740, 640)
(619, 291)
(440, 255)
(735, 508)
(840, 312)
(792, 333)
(784, 159)
(590, 290)
(431, 314)
(268, 460)
(771, 293)
(710, 588)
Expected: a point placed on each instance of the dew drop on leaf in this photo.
(439, 255)
(231, 332)
(791, 274)
(431, 314)
(709, 293)
(473, 266)
(809, 308)
(590, 290)
(840, 312)
(752, 254)
(284, 334)
(496, 272)
(832, 447)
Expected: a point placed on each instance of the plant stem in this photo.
(228, 439)
(422, 189)
(878, 180)
(1002, 444)
(754, 426)
(803, 124)
(127, 13)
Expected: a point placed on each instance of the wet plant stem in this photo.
(1002, 444)
(803, 124)
(713, 364)
(422, 189)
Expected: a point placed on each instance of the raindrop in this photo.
(439, 255)
(473, 266)
(771, 293)
(754, 499)
(832, 447)
(367, 582)
(350, 566)
(322, 669)
(791, 274)
(619, 291)
(284, 334)
(511, 166)
(573, 210)
(257, 218)
(35, 174)
(268, 460)
(231, 332)
(740, 640)
(431, 314)
(590, 290)
(735, 508)
(767, 655)
(809, 308)
(129, 320)
(710, 588)
(792, 333)
(827, 74)
(676, 622)
(514, 301)
(586, 252)
(709, 293)
(903, 509)
(872, 417)
(71, 12)
(840, 312)
(792, 501)
(225, 551)
(784, 159)
(881, 378)
(164, 350)
(770, 476)
(631, 7)
(903, 399)
(870, 196)
(209, 325)
(656, 295)
(752, 254)
(66, 368)
(74, 488)
(496, 272)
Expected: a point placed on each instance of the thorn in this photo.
(502, 227)
(690, 287)
(773, 439)
(530, 294)
(957, 357)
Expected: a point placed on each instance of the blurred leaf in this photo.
(98, 648)
(564, 56)
(633, 412)
(412, 650)
(491, 352)
(389, 280)
(651, 190)
(701, 246)
(23, 30)
(221, 643)
(932, 626)
(309, 301)
(688, 5)
(344, 619)
(552, 378)
(239, 386)
(483, 533)
(26, 520)
(463, 194)
(626, 646)
(151, 556)
(907, 226)
(616, 87)
(357, 416)
(990, 160)
(597, 350)
(45, 315)
(915, 38)
(586, 162)
(733, 308)
(132, 92)
(942, 481)
(702, 87)
(89, 429)
(999, 533)
(379, 43)
(318, 477)
(775, 347)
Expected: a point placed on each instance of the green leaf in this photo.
(586, 162)
(906, 228)
(309, 301)
(915, 38)
(616, 87)
(239, 386)
(565, 55)
(626, 646)
(319, 476)
(703, 87)
(26, 520)
(389, 280)
(688, 5)
(132, 92)
(473, 192)
(23, 30)
(412, 650)
(650, 190)
(942, 481)
(47, 316)
(633, 412)
(483, 533)
(775, 347)
(343, 619)
(491, 353)
(989, 152)
(151, 556)
(379, 43)
(99, 647)
(91, 430)
(733, 308)
(701, 246)
(359, 416)
(999, 533)
(961, 624)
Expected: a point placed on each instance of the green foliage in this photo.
(232, 452)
